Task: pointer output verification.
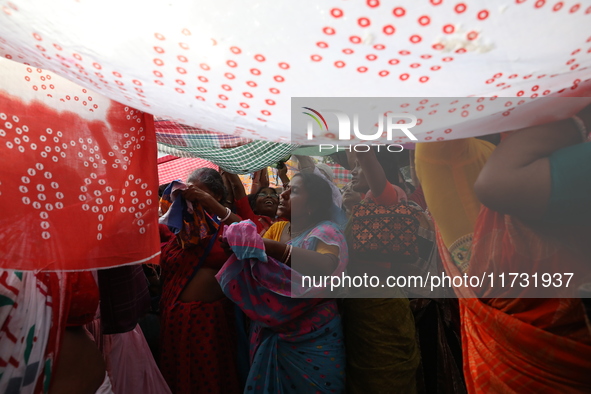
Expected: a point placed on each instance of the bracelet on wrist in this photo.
(585, 135)
(286, 254)
(228, 213)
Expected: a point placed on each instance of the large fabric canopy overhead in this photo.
(231, 66)
(79, 156)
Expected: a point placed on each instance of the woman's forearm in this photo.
(284, 178)
(373, 171)
(305, 163)
(516, 180)
(307, 262)
(214, 207)
(236, 185)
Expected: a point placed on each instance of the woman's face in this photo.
(267, 202)
(358, 180)
(298, 197)
(294, 201)
(284, 207)
(350, 196)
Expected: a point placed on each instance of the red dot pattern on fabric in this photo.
(424, 20)
(184, 80)
(399, 12)
(361, 22)
(377, 39)
(389, 30)
(364, 22)
(336, 12)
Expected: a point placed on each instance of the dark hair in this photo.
(389, 162)
(210, 178)
(252, 198)
(321, 203)
(162, 188)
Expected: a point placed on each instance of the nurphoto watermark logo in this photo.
(337, 129)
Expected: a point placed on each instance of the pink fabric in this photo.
(171, 168)
(273, 275)
(130, 364)
(106, 387)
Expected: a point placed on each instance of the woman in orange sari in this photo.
(511, 341)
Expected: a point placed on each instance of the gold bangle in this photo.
(289, 249)
(285, 254)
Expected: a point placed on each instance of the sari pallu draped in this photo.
(198, 349)
(198, 339)
(521, 344)
(296, 343)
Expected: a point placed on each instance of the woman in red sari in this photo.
(198, 328)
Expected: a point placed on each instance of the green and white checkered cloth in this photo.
(231, 153)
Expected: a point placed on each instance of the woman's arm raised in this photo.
(373, 171)
(516, 179)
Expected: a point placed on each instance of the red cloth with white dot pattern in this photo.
(78, 181)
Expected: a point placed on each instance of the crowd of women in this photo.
(236, 316)
(532, 188)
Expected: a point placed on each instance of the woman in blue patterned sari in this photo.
(296, 343)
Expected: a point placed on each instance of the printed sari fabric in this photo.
(34, 311)
(27, 352)
(510, 343)
(296, 343)
(198, 339)
(197, 345)
(522, 344)
(382, 351)
(185, 218)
